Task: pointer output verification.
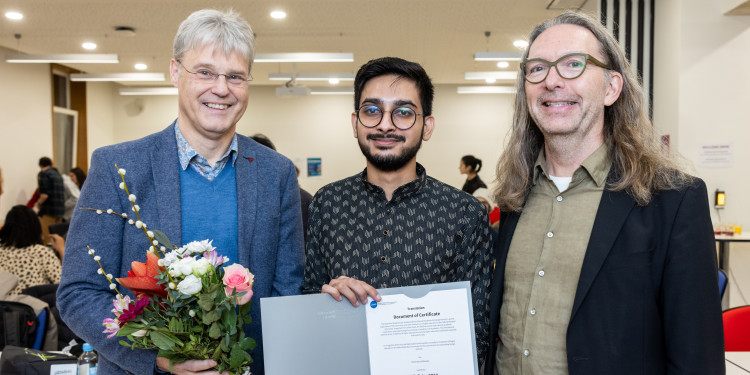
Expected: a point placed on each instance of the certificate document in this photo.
(431, 335)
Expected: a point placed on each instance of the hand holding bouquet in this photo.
(187, 305)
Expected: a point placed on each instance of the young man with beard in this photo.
(391, 225)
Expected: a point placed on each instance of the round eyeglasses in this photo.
(403, 118)
(570, 66)
(206, 75)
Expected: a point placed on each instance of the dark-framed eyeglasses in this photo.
(570, 66)
(208, 76)
(403, 118)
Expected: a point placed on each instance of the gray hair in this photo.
(226, 31)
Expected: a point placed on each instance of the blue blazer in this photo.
(269, 235)
(647, 300)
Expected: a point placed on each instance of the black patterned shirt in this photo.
(427, 233)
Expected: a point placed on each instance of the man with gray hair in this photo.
(606, 262)
(196, 179)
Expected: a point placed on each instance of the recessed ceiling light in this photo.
(490, 80)
(14, 15)
(334, 81)
(278, 14)
(503, 64)
(89, 46)
(141, 66)
(520, 44)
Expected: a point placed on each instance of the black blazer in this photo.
(647, 301)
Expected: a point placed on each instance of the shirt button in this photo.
(388, 211)
(550, 234)
(532, 312)
(385, 232)
(382, 259)
(541, 273)
(559, 198)
(526, 353)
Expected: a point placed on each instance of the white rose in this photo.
(199, 246)
(190, 285)
(185, 265)
(201, 267)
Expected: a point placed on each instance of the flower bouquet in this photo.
(187, 305)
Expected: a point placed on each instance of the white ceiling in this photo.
(442, 35)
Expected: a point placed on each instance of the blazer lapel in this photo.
(614, 208)
(246, 169)
(165, 167)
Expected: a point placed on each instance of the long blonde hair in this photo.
(642, 166)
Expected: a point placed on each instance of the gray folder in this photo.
(317, 335)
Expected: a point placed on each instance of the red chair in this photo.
(737, 329)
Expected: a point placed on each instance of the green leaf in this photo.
(165, 341)
(129, 329)
(175, 325)
(229, 320)
(215, 331)
(163, 239)
(206, 302)
(247, 343)
(210, 317)
(236, 356)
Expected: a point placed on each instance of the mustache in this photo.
(397, 137)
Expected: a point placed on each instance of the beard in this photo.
(390, 163)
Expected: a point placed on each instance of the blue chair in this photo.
(723, 281)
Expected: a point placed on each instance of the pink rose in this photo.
(239, 279)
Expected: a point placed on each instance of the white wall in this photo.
(25, 128)
(713, 99)
(320, 126)
(100, 107)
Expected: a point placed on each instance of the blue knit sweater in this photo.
(213, 202)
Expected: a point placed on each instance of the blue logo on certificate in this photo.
(374, 304)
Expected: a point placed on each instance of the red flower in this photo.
(133, 310)
(142, 278)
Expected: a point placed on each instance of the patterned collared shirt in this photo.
(51, 183)
(427, 233)
(189, 157)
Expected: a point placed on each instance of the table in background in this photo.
(738, 363)
(724, 258)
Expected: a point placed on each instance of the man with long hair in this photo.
(606, 260)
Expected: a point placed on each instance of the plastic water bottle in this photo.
(87, 361)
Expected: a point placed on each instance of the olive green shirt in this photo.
(543, 265)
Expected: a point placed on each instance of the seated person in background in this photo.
(392, 225)
(22, 252)
(470, 166)
(494, 212)
(71, 194)
(78, 176)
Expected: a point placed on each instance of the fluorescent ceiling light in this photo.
(149, 91)
(498, 56)
(79, 58)
(502, 76)
(15, 16)
(304, 57)
(520, 44)
(311, 76)
(118, 77)
(331, 91)
(486, 90)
